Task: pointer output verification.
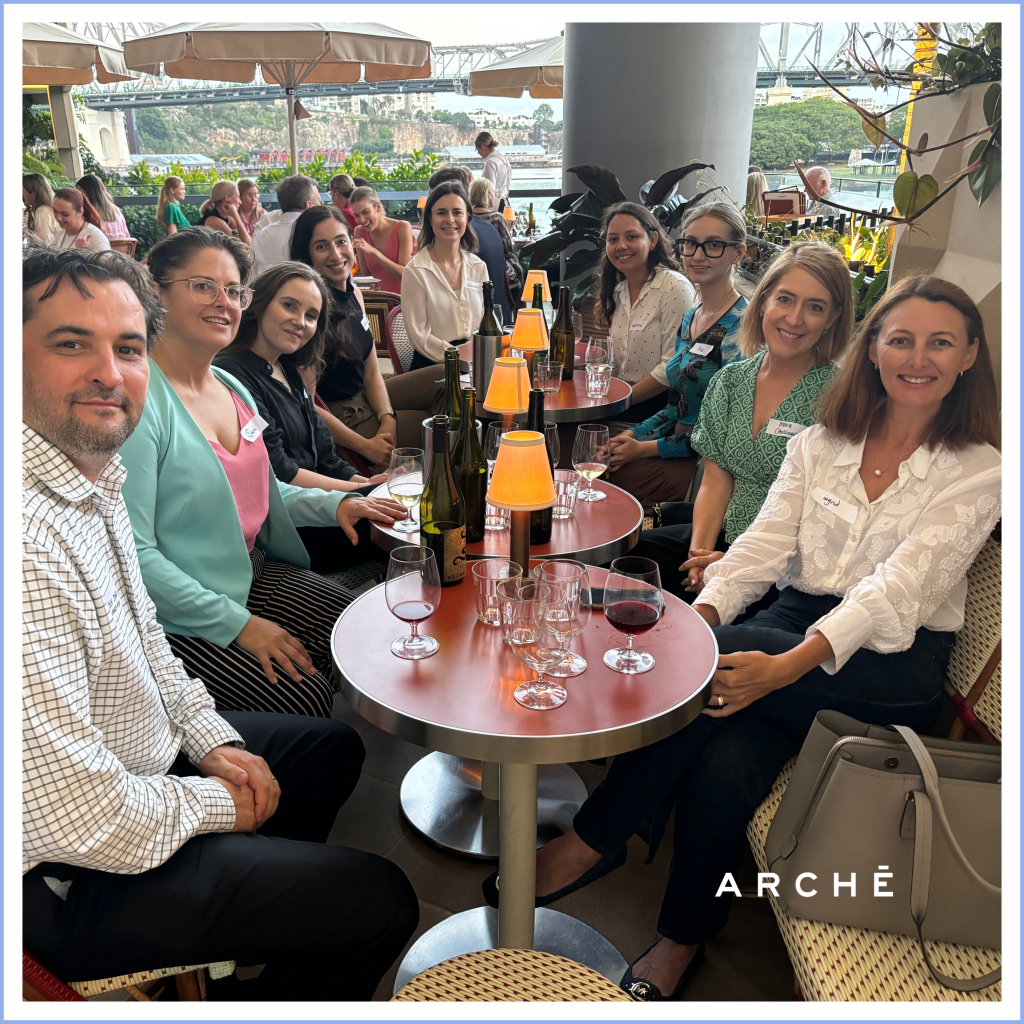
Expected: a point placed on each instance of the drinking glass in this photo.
(577, 326)
(498, 315)
(599, 379)
(552, 441)
(570, 577)
(633, 603)
(495, 518)
(506, 592)
(487, 574)
(537, 636)
(597, 351)
(590, 458)
(567, 489)
(405, 484)
(548, 376)
(413, 592)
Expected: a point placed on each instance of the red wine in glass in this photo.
(632, 617)
(633, 602)
(412, 611)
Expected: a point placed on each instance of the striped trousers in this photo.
(299, 601)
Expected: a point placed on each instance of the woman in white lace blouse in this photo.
(876, 515)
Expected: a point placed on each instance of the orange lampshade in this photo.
(530, 333)
(521, 481)
(508, 214)
(536, 277)
(509, 390)
(421, 203)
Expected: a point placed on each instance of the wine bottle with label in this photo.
(443, 512)
(531, 224)
(563, 337)
(538, 303)
(452, 388)
(540, 520)
(471, 469)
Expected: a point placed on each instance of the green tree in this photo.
(544, 113)
(776, 145)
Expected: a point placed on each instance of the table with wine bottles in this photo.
(461, 703)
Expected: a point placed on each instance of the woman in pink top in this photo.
(249, 208)
(383, 245)
(112, 222)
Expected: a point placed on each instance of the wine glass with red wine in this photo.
(413, 592)
(633, 603)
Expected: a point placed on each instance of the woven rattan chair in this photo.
(510, 976)
(125, 245)
(399, 346)
(836, 963)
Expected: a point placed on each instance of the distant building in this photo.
(161, 162)
(483, 118)
(414, 102)
(333, 104)
(104, 133)
(279, 157)
(469, 155)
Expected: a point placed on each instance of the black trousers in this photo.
(327, 921)
(330, 550)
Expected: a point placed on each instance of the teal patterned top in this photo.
(723, 433)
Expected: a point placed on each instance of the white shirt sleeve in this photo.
(417, 306)
(677, 297)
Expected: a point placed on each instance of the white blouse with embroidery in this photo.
(897, 562)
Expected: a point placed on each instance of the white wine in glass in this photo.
(590, 454)
(405, 484)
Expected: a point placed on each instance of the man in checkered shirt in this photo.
(153, 833)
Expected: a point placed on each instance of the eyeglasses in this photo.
(205, 292)
(712, 250)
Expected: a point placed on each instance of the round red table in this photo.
(460, 702)
(597, 532)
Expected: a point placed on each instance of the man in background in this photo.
(272, 244)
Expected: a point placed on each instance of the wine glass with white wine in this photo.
(590, 455)
(405, 484)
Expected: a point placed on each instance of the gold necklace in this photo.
(451, 280)
(899, 458)
(714, 316)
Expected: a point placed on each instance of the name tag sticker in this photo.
(366, 323)
(473, 286)
(639, 325)
(783, 428)
(704, 350)
(841, 508)
(254, 428)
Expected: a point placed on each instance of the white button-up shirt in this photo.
(106, 706)
(434, 313)
(498, 170)
(898, 562)
(643, 336)
(272, 244)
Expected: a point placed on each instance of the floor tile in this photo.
(370, 819)
(429, 916)
(441, 878)
(389, 758)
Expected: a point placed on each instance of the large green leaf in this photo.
(874, 127)
(540, 251)
(569, 221)
(563, 203)
(993, 103)
(663, 187)
(589, 205)
(672, 211)
(988, 174)
(587, 286)
(581, 261)
(913, 192)
(601, 182)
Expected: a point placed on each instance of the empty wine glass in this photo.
(551, 439)
(633, 603)
(538, 644)
(570, 577)
(577, 326)
(590, 455)
(413, 592)
(405, 484)
(597, 351)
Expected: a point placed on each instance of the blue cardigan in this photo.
(191, 550)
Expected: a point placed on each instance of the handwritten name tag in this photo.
(473, 286)
(639, 325)
(702, 350)
(366, 323)
(841, 508)
(783, 428)
(254, 428)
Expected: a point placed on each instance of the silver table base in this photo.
(441, 799)
(477, 929)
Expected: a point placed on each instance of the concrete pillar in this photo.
(641, 99)
(65, 130)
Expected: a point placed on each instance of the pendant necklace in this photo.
(899, 458)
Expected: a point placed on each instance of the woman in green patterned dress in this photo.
(795, 327)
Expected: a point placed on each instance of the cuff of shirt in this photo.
(846, 628)
(206, 730)
(723, 597)
(674, 448)
(218, 807)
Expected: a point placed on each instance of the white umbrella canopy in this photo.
(287, 53)
(54, 55)
(538, 69)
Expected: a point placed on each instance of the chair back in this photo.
(593, 325)
(378, 305)
(399, 346)
(125, 245)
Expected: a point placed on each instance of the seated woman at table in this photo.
(794, 330)
(220, 211)
(442, 293)
(383, 245)
(112, 222)
(78, 223)
(654, 460)
(905, 450)
(249, 208)
(642, 298)
(364, 412)
(214, 528)
(38, 197)
(169, 214)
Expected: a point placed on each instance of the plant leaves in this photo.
(874, 128)
(988, 175)
(663, 187)
(571, 220)
(913, 192)
(581, 261)
(587, 286)
(589, 205)
(563, 203)
(601, 182)
(540, 251)
(644, 189)
(993, 103)
(922, 143)
(676, 213)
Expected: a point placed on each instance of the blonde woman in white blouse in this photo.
(442, 285)
(876, 515)
(643, 297)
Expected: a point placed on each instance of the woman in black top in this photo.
(220, 211)
(366, 413)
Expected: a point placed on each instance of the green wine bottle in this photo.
(489, 323)
(538, 303)
(452, 388)
(541, 519)
(443, 512)
(563, 337)
(471, 469)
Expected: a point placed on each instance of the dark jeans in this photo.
(327, 921)
(330, 550)
(669, 546)
(420, 362)
(717, 771)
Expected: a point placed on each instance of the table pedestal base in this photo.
(441, 799)
(477, 929)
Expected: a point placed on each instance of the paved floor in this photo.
(746, 961)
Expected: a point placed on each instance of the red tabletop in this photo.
(597, 532)
(460, 700)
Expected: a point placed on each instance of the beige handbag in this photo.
(913, 823)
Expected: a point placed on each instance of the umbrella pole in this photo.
(290, 93)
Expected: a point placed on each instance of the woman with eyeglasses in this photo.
(654, 460)
(214, 528)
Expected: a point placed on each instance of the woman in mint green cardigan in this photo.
(215, 530)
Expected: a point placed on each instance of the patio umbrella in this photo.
(53, 55)
(288, 54)
(538, 69)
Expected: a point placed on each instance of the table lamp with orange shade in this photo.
(522, 483)
(509, 390)
(421, 203)
(537, 277)
(509, 215)
(530, 335)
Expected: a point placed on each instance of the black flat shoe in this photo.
(644, 992)
(599, 870)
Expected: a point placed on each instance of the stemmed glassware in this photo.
(596, 351)
(495, 518)
(577, 326)
(633, 603)
(413, 592)
(570, 577)
(590, 454)
(405, 484)
(552, 441)
(539, 643)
